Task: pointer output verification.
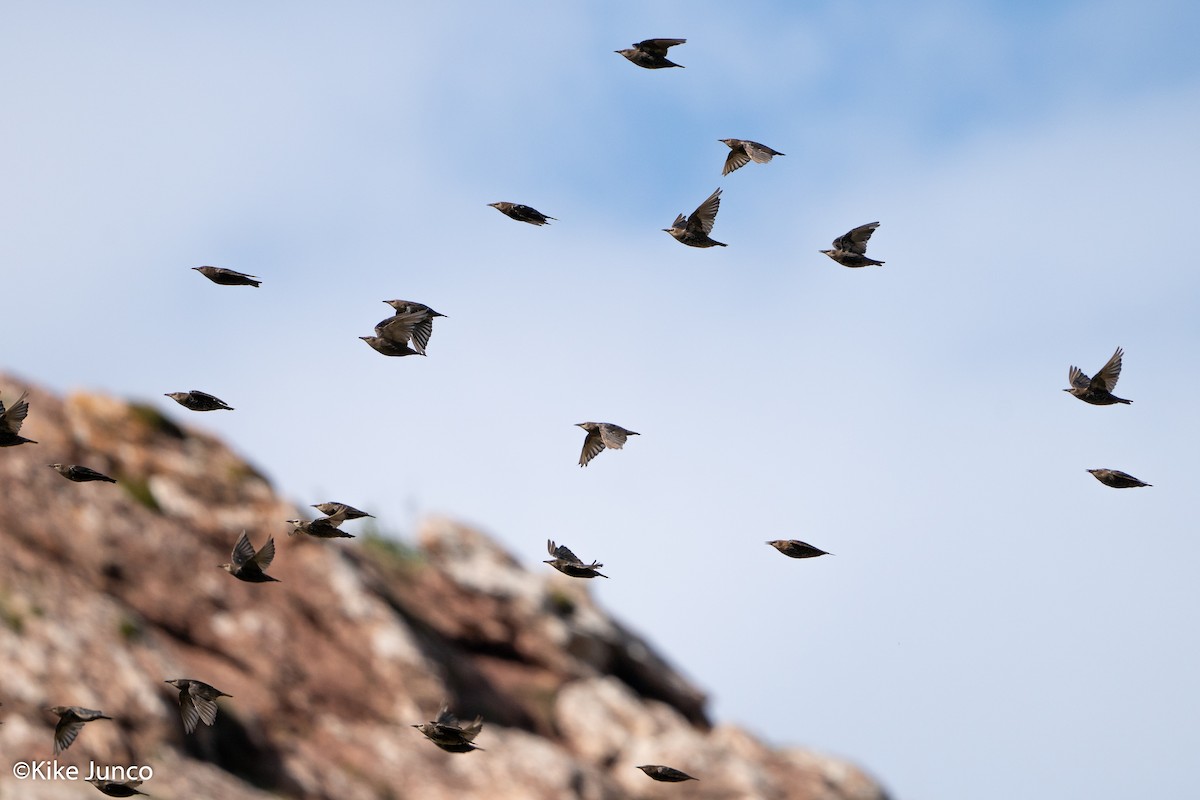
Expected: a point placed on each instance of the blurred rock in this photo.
(104, 595)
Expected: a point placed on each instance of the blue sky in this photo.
(995, 622)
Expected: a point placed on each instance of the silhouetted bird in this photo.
(568, 563)
(70, 722)
(794, 548)
(388, 347)
(1117, 479)
(1098, 390)
(322, 528)
(10, 422)
(669, 774)
(447, 733)
(113, 789)
(652, 53)
(197, 702)
(693, 231)
(601, 435)
(334, 509)
(415, 325)
(522, 213)
(422, 329)
(248, 565)
(196, 400)
(743, 151)
(227, 277)
(74, 472)
(850, 248)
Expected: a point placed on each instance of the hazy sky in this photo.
(995, 624)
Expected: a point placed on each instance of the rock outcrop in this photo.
(108, 590)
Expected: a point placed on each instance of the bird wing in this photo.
(855, 241)
(1108, 374)
(205, 708)
(658, 47)
(680, 223)
(705, 215)
(266, 555)
(592, 446)
(1079, 378)
(421, 333)
(472, 729)
(65, 731)
(736, 159)
(187, 710)
(243, 551)
(564, 553)
(12, 418)
(613, 436)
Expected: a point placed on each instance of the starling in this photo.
(668, 774)
(850, 248)
(794, 548)
(693, 231)
(601, 435)
(1098, 390)
(113, 789)
(227, 277)
(568, 563)
(1117, 479)
(423, 327)
(322, 528)
(447, 733)
(70, 722)
(651, 53)
(342, 510)
(388, 347)
(10, 422)
(743, 151)
(402, 327)
(248, 565)
(522, 213)
(74, 472)
(197, 702)
(196, 400)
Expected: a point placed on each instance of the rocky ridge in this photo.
(106, 591)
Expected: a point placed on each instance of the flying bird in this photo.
(449, 734)
(743, 151)
(794, 548)
(196, 400)
(1117, 479)
(652, 53)
(388, 347)
(693, 231)
(668, 774)
(248, 565)
(522, 213)
(197, 702)
(71, 720)
(422, 328)
(850, 248)
(334, 509)
(79, 474)
(599, 436)
(570, 564)
(228, 277)
(1098, 390)
(114, 789)
(11, 419)
(322, 528)
(411, 325)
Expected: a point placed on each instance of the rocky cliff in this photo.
(108, 590)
